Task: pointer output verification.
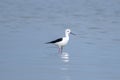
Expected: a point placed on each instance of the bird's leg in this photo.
(61, 50)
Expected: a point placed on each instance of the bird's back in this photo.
(55, 41)
(63, 42)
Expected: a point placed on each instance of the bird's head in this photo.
(68, 31)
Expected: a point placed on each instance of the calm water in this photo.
(25, 25)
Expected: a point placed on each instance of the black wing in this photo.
(55, 41)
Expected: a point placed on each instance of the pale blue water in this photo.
(25, 25)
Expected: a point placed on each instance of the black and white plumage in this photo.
(61, 42)
(57, 40)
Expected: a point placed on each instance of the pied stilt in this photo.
(61, 42)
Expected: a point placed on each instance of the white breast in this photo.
(63, 42)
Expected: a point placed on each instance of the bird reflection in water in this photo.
(65, 57)
(65, 67)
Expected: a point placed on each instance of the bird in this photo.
(61, 42)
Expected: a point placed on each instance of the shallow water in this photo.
(25, 26)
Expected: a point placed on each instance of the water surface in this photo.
(25, 25)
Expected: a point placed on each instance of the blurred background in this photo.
(25, 25)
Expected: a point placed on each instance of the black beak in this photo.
(72, 33)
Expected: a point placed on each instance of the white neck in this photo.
(67, 35)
